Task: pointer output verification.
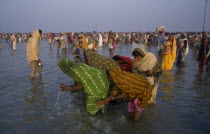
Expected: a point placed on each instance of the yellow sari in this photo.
(169, 54)
(84, 42)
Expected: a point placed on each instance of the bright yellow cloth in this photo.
(84, 42)
(169, 58)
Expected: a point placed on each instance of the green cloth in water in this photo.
(94, 82)
(99, 61)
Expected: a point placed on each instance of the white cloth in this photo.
(100, 40)
(14, 42)
(90, 46)
(63, 43)
(182, 44)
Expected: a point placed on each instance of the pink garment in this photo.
(133, 105)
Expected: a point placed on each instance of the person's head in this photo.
(161, 33)
(183, 36)
(138, 54)
(171, 36)
(118, 59)
(40, 32)
(76, 59)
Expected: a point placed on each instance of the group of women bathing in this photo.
(105, 79)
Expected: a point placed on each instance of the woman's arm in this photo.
(64, 87)
(112, 97)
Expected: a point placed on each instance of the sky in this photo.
(103, 15)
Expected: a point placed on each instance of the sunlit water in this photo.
(39, 107)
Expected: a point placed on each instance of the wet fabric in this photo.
(99, 61)
(135, 85)
(134, 104)
(94, 82)
(34, 65)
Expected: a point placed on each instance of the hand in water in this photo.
(103, 102)
(63, 87)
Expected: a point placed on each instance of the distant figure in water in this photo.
(111, 43)
(182, 51)
(33, 51)
(169, 53)
(0, 44)
(14, 42)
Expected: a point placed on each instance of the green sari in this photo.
(94, 82)
(99, 61)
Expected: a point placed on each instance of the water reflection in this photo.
(167, 87)
(30, 107)
(181, 77)
(51, 50)
(35, 101)
(200, 84)
(14, 53)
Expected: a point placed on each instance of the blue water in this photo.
(39, 107)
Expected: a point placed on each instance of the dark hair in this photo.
(136, 53)
(116, 58)
(40, 31)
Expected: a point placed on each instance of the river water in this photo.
(39, 107)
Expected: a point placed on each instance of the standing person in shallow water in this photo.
(33, 51)
(161, 41)
(140, 87)
(0, 44)
(169, 53)
(14, 42)
(111, 43)
(182, 50)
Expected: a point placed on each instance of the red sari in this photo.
(127, 63)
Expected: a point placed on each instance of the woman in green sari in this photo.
(93, 81)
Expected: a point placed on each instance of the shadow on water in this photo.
(35, 100)
(201, 84)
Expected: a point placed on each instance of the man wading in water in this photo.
(33, 51)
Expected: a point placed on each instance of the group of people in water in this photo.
(117, 77)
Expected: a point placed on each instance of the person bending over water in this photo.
(93, 81)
